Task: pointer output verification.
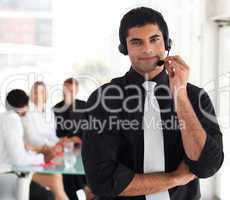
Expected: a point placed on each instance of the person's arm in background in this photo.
(48, 152)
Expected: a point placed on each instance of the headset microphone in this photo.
(160, 62)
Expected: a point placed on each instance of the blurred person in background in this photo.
(12, 147)
(15, 151)
(39, 122)
(70, 110)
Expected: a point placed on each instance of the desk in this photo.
(5, 169)
(25, 174)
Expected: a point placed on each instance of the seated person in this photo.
(39, 122)
(12, 146)
(69, 109)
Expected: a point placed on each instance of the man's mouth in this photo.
(149, 58)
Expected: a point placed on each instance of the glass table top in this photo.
(77, 169)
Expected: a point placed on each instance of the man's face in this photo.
(145, 46)
(22, 111)
(70, 90)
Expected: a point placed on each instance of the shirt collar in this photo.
(136, 78)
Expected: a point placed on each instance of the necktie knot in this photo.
(149, 86)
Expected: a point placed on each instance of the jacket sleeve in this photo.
(106, 175)
(212, 155)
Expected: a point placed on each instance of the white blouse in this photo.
(12, 149)
(39, 127)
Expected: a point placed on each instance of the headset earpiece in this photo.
(123, 49)
(168, 44)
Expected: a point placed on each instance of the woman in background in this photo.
(40, 133)
(39, 123)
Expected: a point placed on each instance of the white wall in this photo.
(209, 64)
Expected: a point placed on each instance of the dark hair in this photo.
(16, 99)
(71, 81)
(139, 17)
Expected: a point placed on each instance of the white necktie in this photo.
(154, 159)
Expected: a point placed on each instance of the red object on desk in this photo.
(60, 154)
(51, 163)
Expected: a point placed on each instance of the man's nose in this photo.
(147, 48)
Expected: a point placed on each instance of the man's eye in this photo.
(136, 42)
(154, 39)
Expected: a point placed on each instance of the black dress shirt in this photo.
(114, 154)
(68, 118)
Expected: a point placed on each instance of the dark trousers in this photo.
(37, 192)
(72, 183)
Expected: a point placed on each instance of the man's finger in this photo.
(170, 67)
(177, 59)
